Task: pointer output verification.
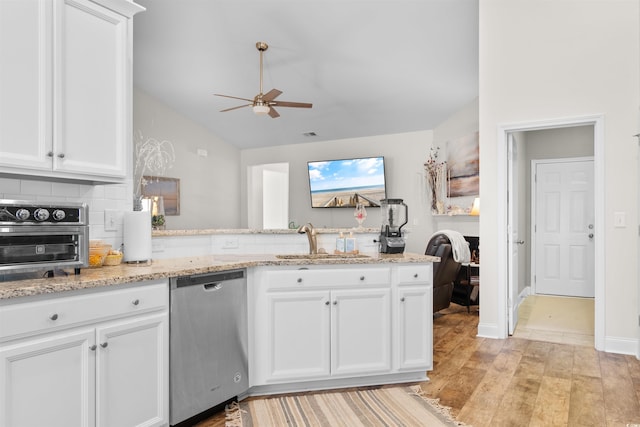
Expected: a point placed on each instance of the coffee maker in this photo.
(394, 217)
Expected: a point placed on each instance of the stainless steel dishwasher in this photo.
(208, 341)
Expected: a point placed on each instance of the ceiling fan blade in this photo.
(271, 95)
(233, 97)
(273, 113)
(292, 104)
(235, 108)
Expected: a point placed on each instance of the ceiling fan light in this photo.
(261, 110)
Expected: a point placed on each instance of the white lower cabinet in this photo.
(414, 316)
(415, 327)
(323, 324)
(315, 334)
(48, 381)
(106, 371)
(360, 331)
(298, 335)
(131, 367)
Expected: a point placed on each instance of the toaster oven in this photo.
(36, 235)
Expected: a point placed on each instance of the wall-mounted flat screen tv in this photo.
(346, 182)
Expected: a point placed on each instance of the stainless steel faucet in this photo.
(311, 235)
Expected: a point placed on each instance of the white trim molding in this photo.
(597, 121)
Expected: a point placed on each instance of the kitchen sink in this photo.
(321, 256)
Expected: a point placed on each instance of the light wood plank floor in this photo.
(523, 382)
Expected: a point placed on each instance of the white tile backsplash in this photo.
(97, 197)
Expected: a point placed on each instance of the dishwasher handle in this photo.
(208, 278)
(212, 286)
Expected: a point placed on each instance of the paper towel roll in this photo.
(137, 236)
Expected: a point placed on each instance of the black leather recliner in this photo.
(444, 272)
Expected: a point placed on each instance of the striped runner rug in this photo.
(403, 406)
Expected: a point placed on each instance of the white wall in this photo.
(404, 156)
(542, 60)
(209, 186)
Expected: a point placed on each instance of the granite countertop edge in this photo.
(167, 268)
(204, 232)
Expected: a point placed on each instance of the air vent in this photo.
(310, 133)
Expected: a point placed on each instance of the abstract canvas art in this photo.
(463, 166)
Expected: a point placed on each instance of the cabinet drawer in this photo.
(327, 278)
(415, 274)
(31, 318)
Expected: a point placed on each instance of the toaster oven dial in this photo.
(22, 214)
(58, 215)
(41, 214)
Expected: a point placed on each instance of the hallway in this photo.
(556, 319)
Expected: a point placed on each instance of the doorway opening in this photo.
(268, 196)
(519, 144)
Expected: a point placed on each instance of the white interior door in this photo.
(563, 227)
(513, 243)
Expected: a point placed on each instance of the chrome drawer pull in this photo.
(93, 347)
(136, 302)
(299, 279)
(415, 276)
(104, 344)
(54, 316)
(402, 299)
(361, 277)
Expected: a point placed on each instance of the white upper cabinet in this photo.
(65, 85)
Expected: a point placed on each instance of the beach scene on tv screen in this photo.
(345, 183)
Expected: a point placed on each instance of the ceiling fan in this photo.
(263, 103)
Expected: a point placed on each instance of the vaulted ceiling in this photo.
(370, 67)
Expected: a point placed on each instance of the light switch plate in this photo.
(619, 219)
(112, 219)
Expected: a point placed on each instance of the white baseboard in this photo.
(621, 345)
(489, 330)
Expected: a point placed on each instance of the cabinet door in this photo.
(25, 83)
(414, 327)
(90, 89)
(132, 372)
(48, 381)
(360, 331)
(298, 335)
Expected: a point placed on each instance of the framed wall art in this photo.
(168, 188)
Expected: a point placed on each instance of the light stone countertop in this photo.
(166, 268)
(198, 232)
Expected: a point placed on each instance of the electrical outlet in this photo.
(111, 220)
(230, 243)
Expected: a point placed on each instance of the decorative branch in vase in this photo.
(436, 172)
(152, 157)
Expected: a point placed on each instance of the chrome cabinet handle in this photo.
(61, 155)
(520, 242)
(93, 347)
(299, 279)
(50, 154)
(327, 303)
(415, 276)
(135, 302)
(591, 235)
(361, 278)
(104, 344)
(54, 316)
(402, 299)
(335, 302)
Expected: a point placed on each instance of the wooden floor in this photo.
(522, 382)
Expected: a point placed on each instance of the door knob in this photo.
(520, 242)
(591, 235)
